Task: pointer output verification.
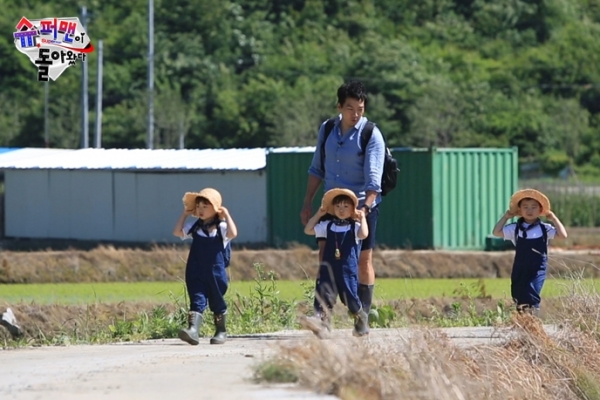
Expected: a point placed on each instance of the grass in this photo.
(386, 290)
(99, 322)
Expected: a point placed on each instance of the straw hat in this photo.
(529, 194)
(327, 203)
(212, 195)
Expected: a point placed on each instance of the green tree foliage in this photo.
(254, 73)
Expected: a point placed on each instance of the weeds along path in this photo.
(160, 369)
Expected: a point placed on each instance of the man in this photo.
(347, 166)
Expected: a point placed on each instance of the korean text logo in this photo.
(52, 44)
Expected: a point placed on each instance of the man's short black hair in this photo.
(352, 89)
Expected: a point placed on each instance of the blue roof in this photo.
(7, 149)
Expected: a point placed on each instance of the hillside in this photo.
(255, 73)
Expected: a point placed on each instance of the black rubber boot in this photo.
(361, 324)
(190, 334)
(365, 295)
(9, 321)
(221, 333)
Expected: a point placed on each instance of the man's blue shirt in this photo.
(345, 165)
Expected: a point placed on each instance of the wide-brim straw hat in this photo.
(327, 203)
(210, 194)
(529, 194)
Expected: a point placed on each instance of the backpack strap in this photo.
(328, 229)
(517, 225)
(226, 248)
(544, 232)
(365, 135)
(219, 233)
(328, 128)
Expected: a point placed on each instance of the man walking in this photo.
(344, 163)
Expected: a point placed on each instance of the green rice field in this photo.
(386, 289)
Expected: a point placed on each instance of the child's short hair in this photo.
(203, 200)
(529, 198)
(342, 198)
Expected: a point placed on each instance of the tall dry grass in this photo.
(529, 364)
(167, 263)
(560, 361)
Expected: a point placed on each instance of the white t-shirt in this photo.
(533, 233)
(321, 229)
(222, 226)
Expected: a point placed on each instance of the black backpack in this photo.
(390, 164)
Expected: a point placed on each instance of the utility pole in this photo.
(150, 139)
(181, 141)
(46, 116)
(84, 91)
(98, 137)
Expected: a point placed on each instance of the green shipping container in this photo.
(445, 199)
(287, 176)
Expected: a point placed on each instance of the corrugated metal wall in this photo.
(471, 189)
(125, 206)
(445, 199)
(288, 176)
(405, 217)
(58, 204)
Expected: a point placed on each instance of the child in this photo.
(205, 276)
(530, 237)
(338, 272)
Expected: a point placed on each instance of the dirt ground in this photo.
(161, 369)
(110, 264)
(53, 261)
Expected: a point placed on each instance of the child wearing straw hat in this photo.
(530, 236)
(338, 272)
(205, 276)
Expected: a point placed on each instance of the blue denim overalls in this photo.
(338, 273)
(205, 275)
(529, 267)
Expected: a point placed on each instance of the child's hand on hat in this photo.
(551, 216)
(321, 211)
(359, 214)
(223, 212)
(187, 212)
(508, 214)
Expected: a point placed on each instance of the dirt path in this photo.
(160, 369)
